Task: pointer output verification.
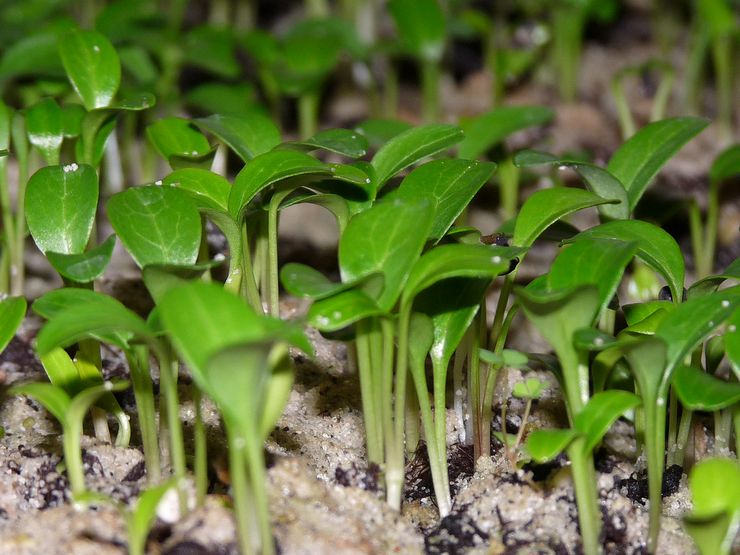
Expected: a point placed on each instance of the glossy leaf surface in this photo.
(46, 128)
(12, 312)
(177, 137)
(412, 146)
(92, 66)
(340, 141)
(386, 238)
(601, 411)
(249, 135)
(451, 184)
(641, 157)
(84, 267)
(340, 310)
(157, 225)
(61, 202)
(545, 207)
(207, 189)
(699, 390)
(545, 445)
(656, 247)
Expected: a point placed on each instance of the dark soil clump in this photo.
(637, 485)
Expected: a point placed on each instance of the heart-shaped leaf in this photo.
(699, 390)
(92, 66)
(157, 225)
(640, 158)
(487, 130)
(61, 202)
(386, 238)
(410, 147)
(249, 135)
(451, 184)
(545, 207)
(85, 267)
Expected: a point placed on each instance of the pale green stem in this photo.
(430, 90)
(367, 391)
(200, 464)
(240, 489)
(722, 56)
(258, 479)
(508, 178)
(682, 438)
(308, 114)
(138, 363)
(624, 114)
(587, 496)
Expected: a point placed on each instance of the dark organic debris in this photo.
(456, 533)
(637, 485)
(366, 479)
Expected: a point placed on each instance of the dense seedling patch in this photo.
(101, 137)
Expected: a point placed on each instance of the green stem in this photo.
(699, 43)
(73, 457)
(308, 114)
(138, 363)
(248, 283)
(587, 496)
(695, 230)
(655, 416)
(200, 465)
(8, 224)
(568, 38)
(367, 392)
(258, 479)
(394, 405)
(21, 149)
(663, 94)
(437, 463)
(412, 422)
(672, 423)
(736, 426)
(710, 231)
(503, 300)
(390, 91)
(624, 114)
(430, 90)
(682, 438)
(722, 432)
(273, 283)
(722, 57)
(240, 489)
(508, 178)
(168, 381)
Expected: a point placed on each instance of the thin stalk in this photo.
(682, 438)
(273, 282)
(390, 91)
(520, 433)
(200, 464)
(672, 424)
(503, 300)
(624, 114)
(240, 489)
(663, 94)
(699, 43)
(412, 430)
(458, 362)
(394, 464)
(72, 435)
(246, 271)
(587, 496)
(367, 392)
(710, 232)
(655, 451)
(430, 90)
(21, 149)
(722, 432)
(722, 57)
(568, 38)
(308, 114)
(89, 365)
(439, 472)
(695, 231)
(138, 363)
(508, 178)
(736, 426)
(8, 225)
(168, 380)
(258, 478)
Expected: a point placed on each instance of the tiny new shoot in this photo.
(70, 412)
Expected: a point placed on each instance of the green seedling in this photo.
(70, 413)
(238, 358)
(530, 389)
(12, 265)
(248, 135)
(421, 28)
(675, 337)
(713, 523)
(660, 98)
(633, 165)
(140, 517)
(568, 23)
(74, 315)
(704, 241)
(12, 313)
(572, 296)
(714, 28)
(488, 131)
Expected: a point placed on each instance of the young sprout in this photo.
(530, 389)
(70, 412)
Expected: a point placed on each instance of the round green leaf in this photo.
(45, 127)
(248, 135)
(209, 190)
(61, 202)
(177, 137)
(699, 390)
(157, 225)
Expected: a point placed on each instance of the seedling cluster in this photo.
(414, 277)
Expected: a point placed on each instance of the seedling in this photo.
(70, 413)
(238, 358)
(714, 521)
(422, 29)
(530, 389)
